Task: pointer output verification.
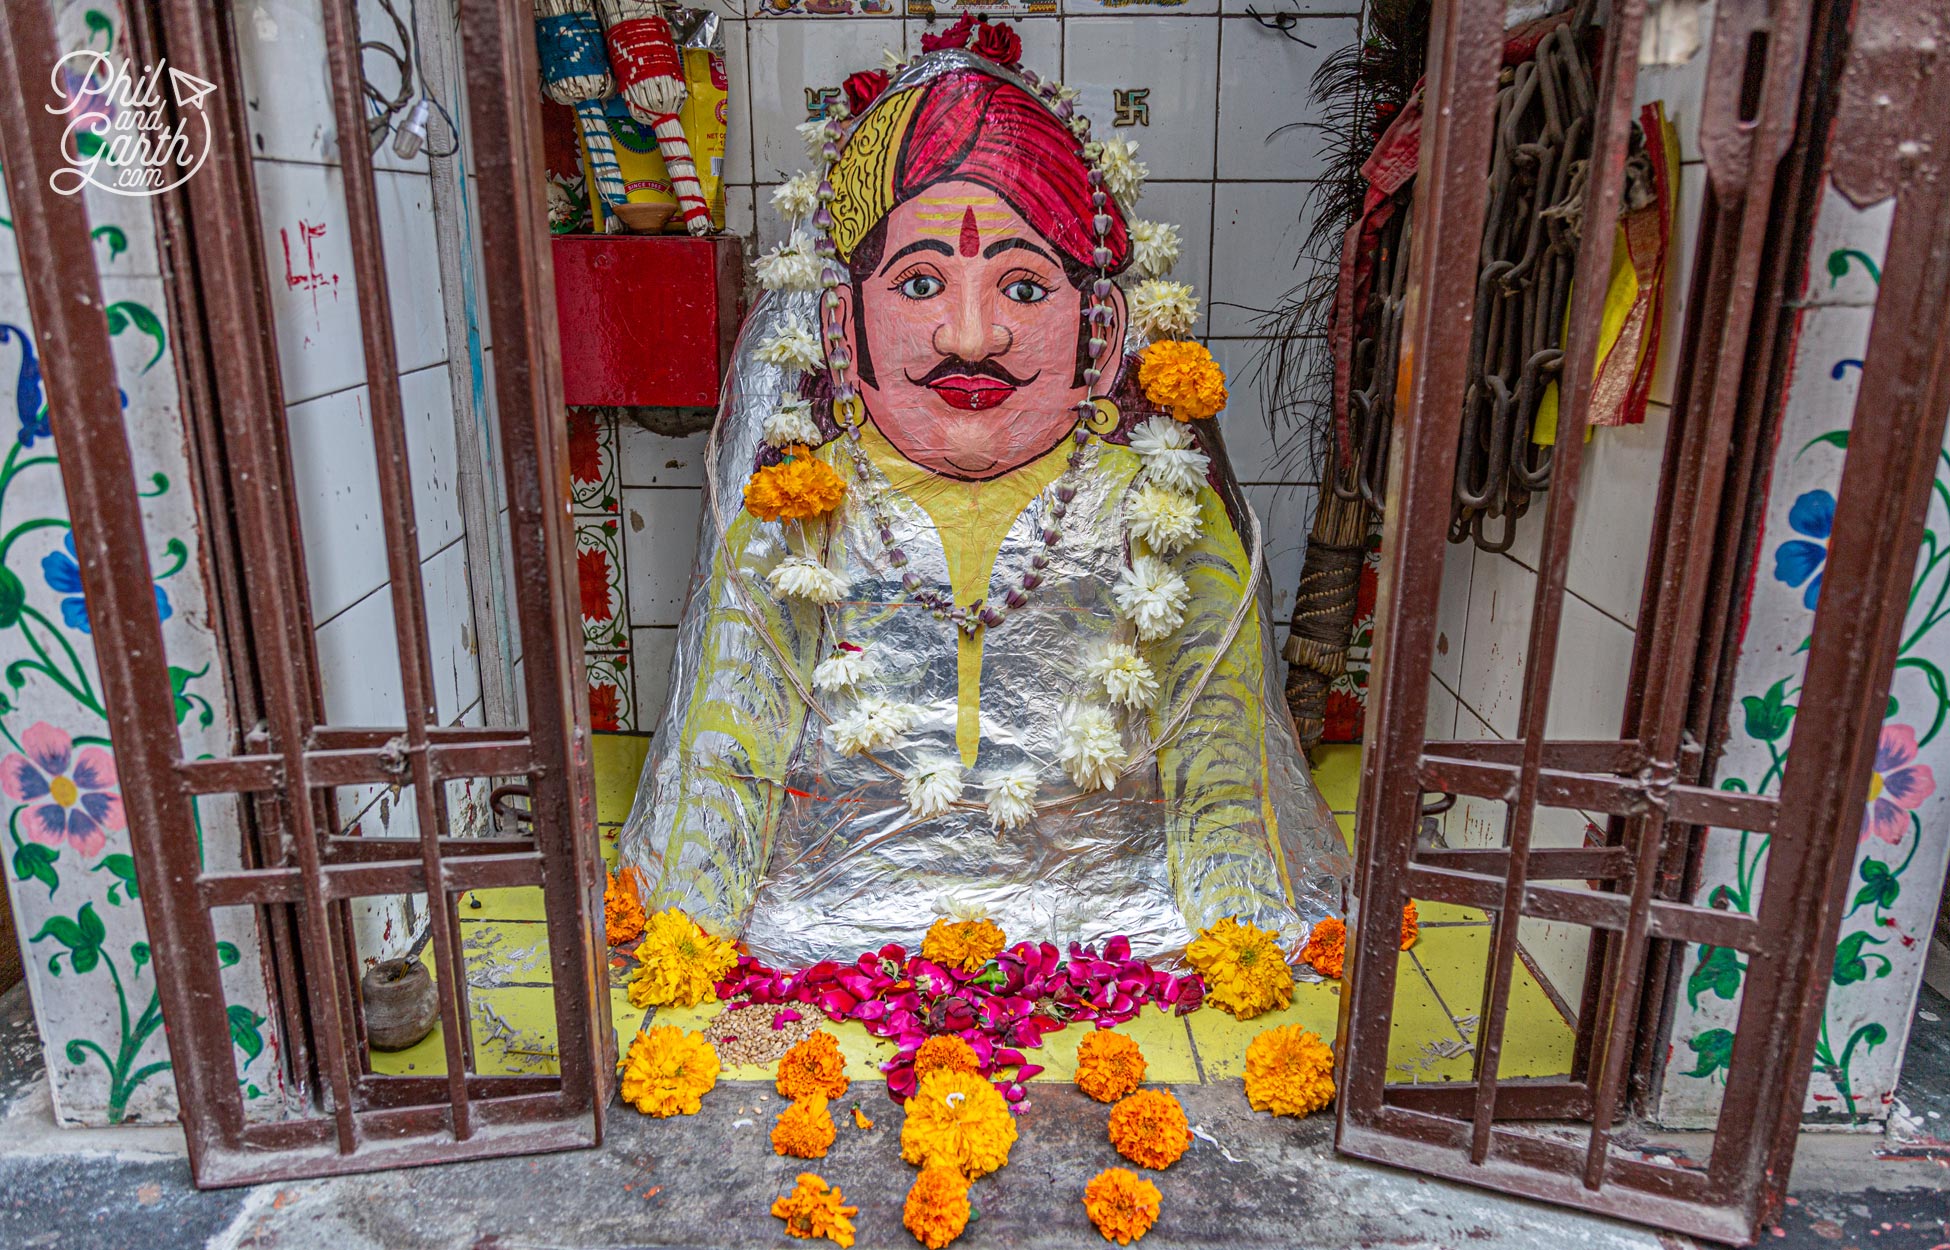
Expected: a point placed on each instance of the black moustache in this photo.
(954, 366)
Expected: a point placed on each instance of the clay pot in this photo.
(401, 1005)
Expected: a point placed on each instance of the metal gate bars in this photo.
(300, 870)
(1651, 781)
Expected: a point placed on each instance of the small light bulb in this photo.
(412, 134)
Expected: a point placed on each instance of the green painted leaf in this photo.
(1834, 438)
(123, 866)
(117, 322)
(87, 143)
(228, 954)
(34, 862)
(77, 1053)
(140, 316)
(13, 597)
(246, 1031)
(1714, 1048)
(91, 923)
(117, 240)
(82, 937)
(139, 953)
(1719, 974)
(1879, 887)
(1852, 963)
(1769, 715)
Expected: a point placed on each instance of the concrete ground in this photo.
(707, 1180)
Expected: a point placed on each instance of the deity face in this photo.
(964, 336)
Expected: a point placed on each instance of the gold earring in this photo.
(1106, 418)
(849, 411)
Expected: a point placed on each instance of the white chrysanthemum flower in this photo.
(1125, 676)
(873, 723)
(1089, 748)
(932, 788)
(791, 347)
(1152, 597)
(1165, 447)
(801, 578)
(1163, 310)
(1154, 247)
(1124, 173)
(891, 61)
(792, 422)
(1165, 519)
(791, 266)
(844, 670)
(816, 132)
(1012, 798)
(1065, 92)
(797, 196)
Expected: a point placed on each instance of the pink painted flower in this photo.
(69, 798)
(1897, 787)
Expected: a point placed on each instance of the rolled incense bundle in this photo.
(575, 72)
(650, 74)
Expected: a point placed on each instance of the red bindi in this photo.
(971, 242)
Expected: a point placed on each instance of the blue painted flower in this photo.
(1801, 559)
(63, 576)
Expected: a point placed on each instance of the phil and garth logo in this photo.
(121, 134)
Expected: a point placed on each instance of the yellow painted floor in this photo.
(1432, 1029)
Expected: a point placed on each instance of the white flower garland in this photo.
(874, 724)
(844, 670)
(1163, 310)
(1124, 173)
(1125, 676)
(1012, 798)
(791, 266)
(791, 347)
(797, 196)
(1154, 247)
(1089, 747)
(1169, 455)
(1152, 596)
(1164, 519)
(791, 423)
(932, 788)
(802, 577)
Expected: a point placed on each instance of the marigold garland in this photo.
(668, 1071)
(798, 487)
(937, 1207)
(1326, 947)
(815, 1209)
(1109, 1065)
(964, 945)
(1122, 1205)
(956, 1119)
(622, 909)
(678, 963)
(814, 1066)
(945, 1053)
(805, 1128)
(1411, 925)
(1289, 1071)
(1244, 969)
(1150, 1129)
(1181, 377)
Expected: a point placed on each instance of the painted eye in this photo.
(922, 286)
(1023, 291)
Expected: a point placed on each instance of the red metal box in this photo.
(646, 319)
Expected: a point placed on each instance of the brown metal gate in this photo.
(1765, 122)
(301, 871)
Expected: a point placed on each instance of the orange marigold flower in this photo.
(1121, 1204)
(1149, 1128)
(1181, 376)
(1244, 969)
(813, 1209)
(956, 1119)
(1326, 947)
(798, 487)
(860, 1120)
(1109, 1065)
(946, 1053)
(622, 909)
(1289, 1071)
(937, 1207)
(1411, 925)
(964, 945)
(814, 1066)
(667, 1071)
(805, 1128)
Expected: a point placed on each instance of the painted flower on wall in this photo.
(1801, 559)
(1897, 787)
(69, 798)
(63, 576)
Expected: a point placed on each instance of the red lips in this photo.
(971, 394)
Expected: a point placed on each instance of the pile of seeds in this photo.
(743, 1032)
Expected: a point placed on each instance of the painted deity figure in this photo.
(977, 625)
